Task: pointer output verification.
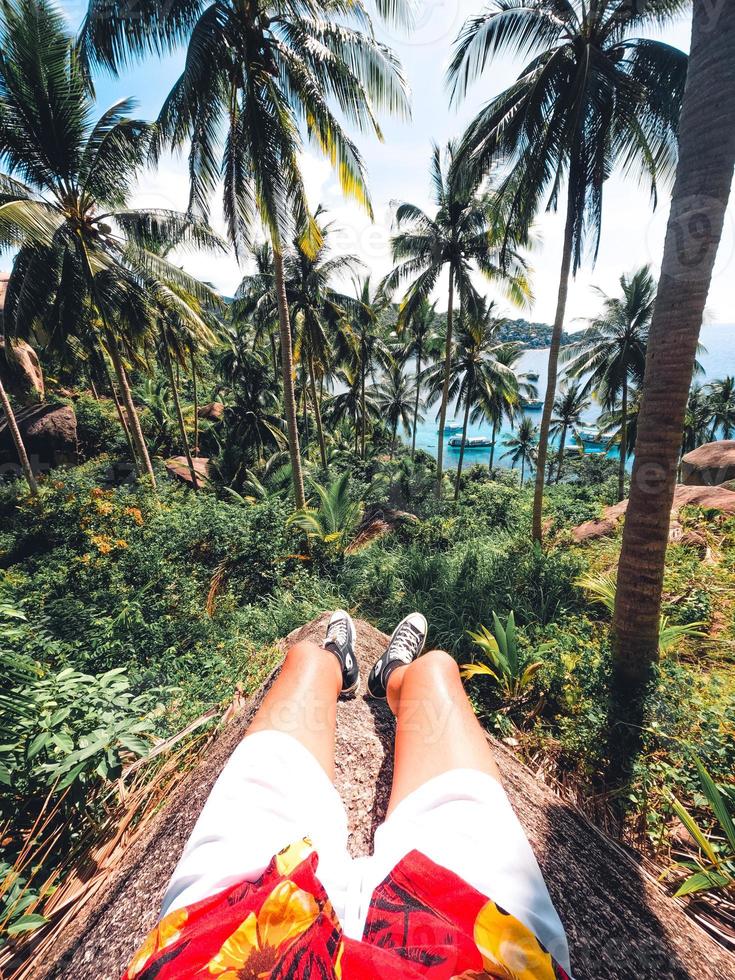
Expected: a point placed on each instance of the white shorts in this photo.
(273, 792)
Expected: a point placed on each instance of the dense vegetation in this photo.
(135, 606)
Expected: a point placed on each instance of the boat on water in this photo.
(471, 442)
(531, 406)
(450, 427)
(589, 437)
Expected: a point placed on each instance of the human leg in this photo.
(276, 788)
(447, 800)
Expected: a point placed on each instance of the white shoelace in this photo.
(405, 644)
(338, 632)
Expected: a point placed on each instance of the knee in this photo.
(306, 655)
(436, 664)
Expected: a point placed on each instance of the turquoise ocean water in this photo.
(719, 339)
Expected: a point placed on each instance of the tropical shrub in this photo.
(507, 666)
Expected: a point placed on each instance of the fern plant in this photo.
(335, 520)
(506, 666)
(714, 868)
(601, 589)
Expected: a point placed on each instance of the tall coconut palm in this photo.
(364, 345)
(418, 335)
(522, 446)
(701, 193)
(18, 440)
(83, 263)
(697, 419)
(475, 369)
(593, 98)
(569, 407)
(611, 354)
(505, 401)
(721, 402)
(259, 74)
(464, 235)
(255, 302)
(394, 399)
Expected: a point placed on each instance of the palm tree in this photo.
(697, 419)
(463, 235)
(706, 161)
(256, 73)
(337, 517)
(593, 98)
(523, 445)
(420, 326)
(365, 347)
(504, 401)
(475, 371)
(721, 402)
(612, 352)
(18, 440)
(255, 302)
(569, 407)
(85, 260)
(394, 399)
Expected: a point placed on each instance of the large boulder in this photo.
(178, 466)
(20, 371)
(212, 411)
(710, 464)
(49, 433)
(619, 920)
(707, 497)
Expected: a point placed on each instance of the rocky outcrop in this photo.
(49, 434)
(20, 372)
(711, 498)
(709, 465)
(619, 920)
(212, 411)
(178, 467)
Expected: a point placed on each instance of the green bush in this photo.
(98, 428)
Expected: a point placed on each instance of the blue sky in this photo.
(632, 233)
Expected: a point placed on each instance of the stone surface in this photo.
(620, 922)
(178, 466)
(715, 498)
(49, 433)
(709, 465)
(212, 411)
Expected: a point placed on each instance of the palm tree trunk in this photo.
(317, 413)
(416, 405)
(561, 306)
(18, 440)
(468, 393)
(274, 358)
(196, 403)
(562, 443)
(177, 409)
(492, 446)
(393, 439)
(289, 401)
(445, 387)
(623, 440)
(523, 467)
(121, 415)
(132, 415)
(698, 206)
(362, 403)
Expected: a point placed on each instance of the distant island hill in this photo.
(531, 335)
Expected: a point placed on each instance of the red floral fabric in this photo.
(423, 922)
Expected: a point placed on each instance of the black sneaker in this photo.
(406, 644)
(340, 640)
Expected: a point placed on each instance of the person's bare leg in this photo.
(302, 701)
(436, 728)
